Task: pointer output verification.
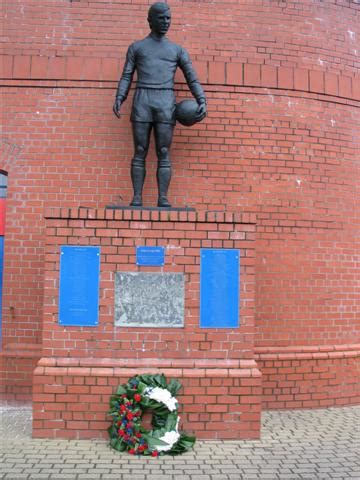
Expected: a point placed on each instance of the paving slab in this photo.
(295, 444)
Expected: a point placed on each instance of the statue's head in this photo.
(159, 18)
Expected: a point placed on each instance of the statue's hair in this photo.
(158, 7)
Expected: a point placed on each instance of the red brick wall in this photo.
(281, 140)
(16, 373)
(308, 377)
(118, 232)
(231, 42)
(306, 200)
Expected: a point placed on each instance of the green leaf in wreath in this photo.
(114, 401)
(171, 422)
(174, 386)
(111, 413)
(160, 380)
(184, 444)
(121, 390)
(153, 441)
(120, 446)
(141, 386)
(188, 440)
(160, 432)
(158, 421)
(145, 378)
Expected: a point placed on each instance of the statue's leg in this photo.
(163, 137)
(141, 136)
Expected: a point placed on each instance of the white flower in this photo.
(170, 438)
(163, 396)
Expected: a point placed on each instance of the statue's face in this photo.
(160, 22)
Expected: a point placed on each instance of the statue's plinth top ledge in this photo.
(153, 214)
(151, 209)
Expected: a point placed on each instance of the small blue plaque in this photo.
(79, 286)
(219, 288)
(150, 256)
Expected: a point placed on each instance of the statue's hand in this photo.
(201, 112)
(116, 107)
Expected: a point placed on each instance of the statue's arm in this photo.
(193, 82)
(125, 80)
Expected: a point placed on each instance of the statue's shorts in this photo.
(153, 106)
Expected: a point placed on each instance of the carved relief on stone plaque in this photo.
(144, 299)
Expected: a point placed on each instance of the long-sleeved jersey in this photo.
(155, 61)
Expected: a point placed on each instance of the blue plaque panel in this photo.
(79, 286)
(150, 256)
(219, 288)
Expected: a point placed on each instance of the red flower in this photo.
(129, 425)
(121, 432)
(129, 416)
(137, 397)
(155, 453)
(122, 408)
(138, 435)
(141, 448)
(132, 451)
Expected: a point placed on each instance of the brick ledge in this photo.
(84, 213)
(123, 367)
(306, 352)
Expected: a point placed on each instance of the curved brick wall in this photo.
(82, 40)
(281, 140)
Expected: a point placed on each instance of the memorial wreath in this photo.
(147, 393)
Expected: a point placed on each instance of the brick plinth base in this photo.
(309, 377)
(82, 366)
(219, 399)
(17, 364)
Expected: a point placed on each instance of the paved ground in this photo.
(307, 444)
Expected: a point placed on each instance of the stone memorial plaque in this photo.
(144, 299)
(79, 286)
(219, 288)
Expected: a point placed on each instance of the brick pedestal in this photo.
(82, 366)
(219, 399)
